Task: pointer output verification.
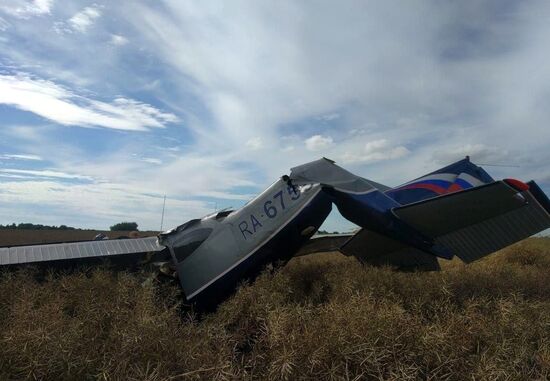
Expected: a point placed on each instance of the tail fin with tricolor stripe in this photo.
(458, 176)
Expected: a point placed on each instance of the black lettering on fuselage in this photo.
(255, 223)
(243, 226)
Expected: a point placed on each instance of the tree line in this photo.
(29, 226)
(121, 226)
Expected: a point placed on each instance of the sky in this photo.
(105, 107)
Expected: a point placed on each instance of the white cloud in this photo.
(91, 205)
(118, 40)
(188, 175)
(376, 150)
(418, 80)
(56, 103)
(330, 117)
(254, 143)
(478, 152)
(318, 142)
(151, 160)
(4, 25)
(24, 8)
(116, 188)
(46, 173)
(302, 79)
(28, 133)
(61, 27)
(21, 157)
(82, 20)
(375, 146)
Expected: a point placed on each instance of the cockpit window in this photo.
(190, 243)
(223, 214)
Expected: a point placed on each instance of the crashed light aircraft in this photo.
(457, 210)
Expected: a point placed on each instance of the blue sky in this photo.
(105, 107)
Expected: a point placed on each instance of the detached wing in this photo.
(478, 221)
(323, 244)
(373, 249)
(79, 251)
(378, 250)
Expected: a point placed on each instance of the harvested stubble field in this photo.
(320, 317)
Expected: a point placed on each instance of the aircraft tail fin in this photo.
(460, 175)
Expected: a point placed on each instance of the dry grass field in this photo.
(320, 317)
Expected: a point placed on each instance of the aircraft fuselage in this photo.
(214, 254)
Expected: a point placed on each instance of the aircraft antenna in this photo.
(162, 218)
(501, 165)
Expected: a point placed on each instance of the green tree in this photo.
(124, 226)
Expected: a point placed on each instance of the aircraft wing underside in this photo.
(37, 254)
(323, 244)
(374, 249)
